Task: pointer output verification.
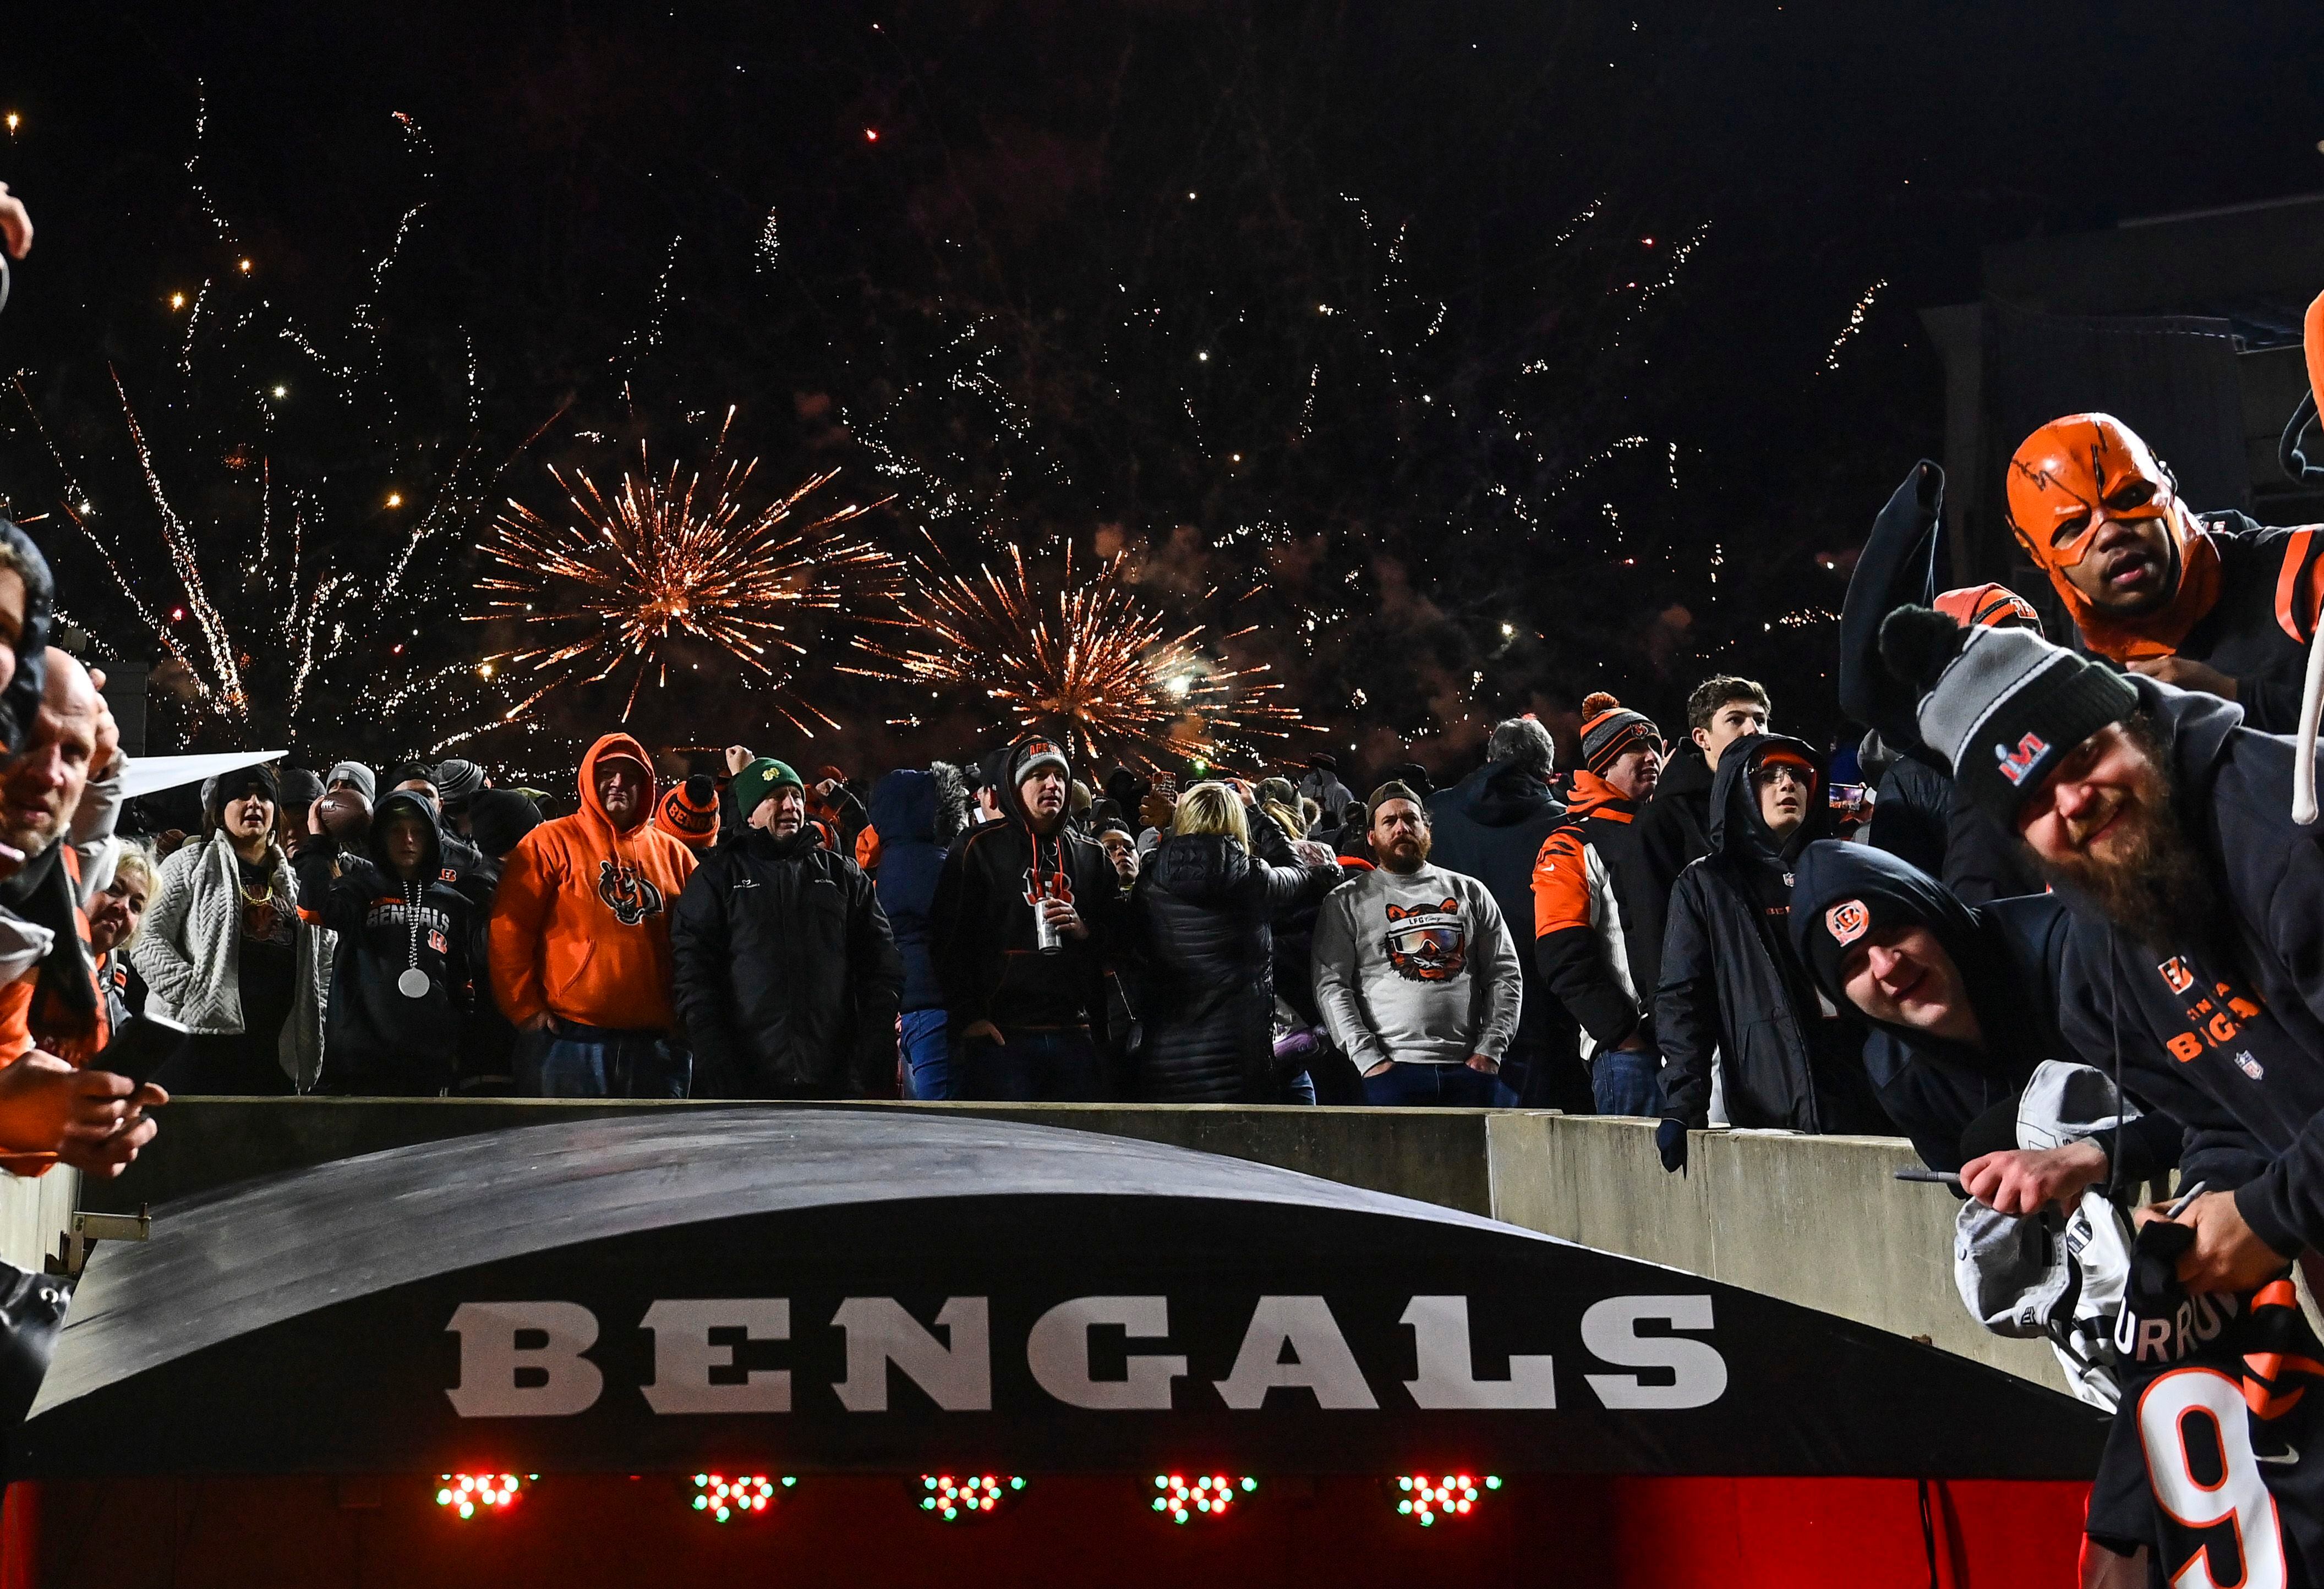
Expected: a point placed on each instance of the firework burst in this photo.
(613, 583)
(1083, 658)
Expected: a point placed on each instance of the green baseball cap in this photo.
(760, 778)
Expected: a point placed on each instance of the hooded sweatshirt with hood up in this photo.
(2010, 955)
(377, 1040)
(580, 926)
(905, 805)
(1730, 980)
(981, 924)
(2229, 1013)
(1490, 826)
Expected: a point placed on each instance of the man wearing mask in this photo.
(788, 976)
(2214, 602)
(1730, 979)
(1026, 997)
(580, 938)
(1415, 972)
(1595, 906)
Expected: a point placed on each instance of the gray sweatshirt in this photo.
(1417, 968)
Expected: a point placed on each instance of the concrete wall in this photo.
(34, 1213)
(1819, 1221)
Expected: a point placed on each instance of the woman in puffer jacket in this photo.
(1202, 905)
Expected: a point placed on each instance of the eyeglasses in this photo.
(1781, 771)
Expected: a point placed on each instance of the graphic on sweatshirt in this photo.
(1054, 884)
(627, 893)
(1427, 943)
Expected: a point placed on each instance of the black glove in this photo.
(1669, 1142)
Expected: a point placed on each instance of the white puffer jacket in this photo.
(190, 951)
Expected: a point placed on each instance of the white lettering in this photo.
(1447, 1377)
(1057, 1352)
(958, 1376)
(491, 1360)
(1320, 1359)
(1609, 1330)
(684, 1355)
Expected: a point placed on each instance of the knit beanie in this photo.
(689, 811)
(1608, 729)
(1989, 606)
(2002, 705)
(1030, 755)
(760, 780)
(498, 818)
(357, 774)
(458, 782)
(223, 790)
(300, 789)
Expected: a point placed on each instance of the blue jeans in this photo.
(1448, 1086)
(1030, 1068)
(594, 1061)
(1625, 1082)
(928, 1055)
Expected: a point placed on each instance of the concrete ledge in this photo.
(1437, 1155)
(1818, 1220)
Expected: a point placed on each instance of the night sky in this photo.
(1456, 359)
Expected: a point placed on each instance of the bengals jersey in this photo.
(2215, 1459)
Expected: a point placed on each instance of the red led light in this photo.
(722, 1497)
(470, 1495)
(1206, 1495)
(952, 1500)
(1425, 1499)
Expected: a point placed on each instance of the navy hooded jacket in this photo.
(904, 805)
(1490, 826)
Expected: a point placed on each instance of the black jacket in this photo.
(2011, 956)
(1490, 826)
(376, 1040)
(2257, 630)
(787, 976)
(904, 806)
(1675, 826)
(981, 927)
(2229, 1016)
(1201, 910)
(1730, 979)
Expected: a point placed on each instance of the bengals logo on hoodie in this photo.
(627, 893)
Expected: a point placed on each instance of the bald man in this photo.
(57, 830)
(55, 863)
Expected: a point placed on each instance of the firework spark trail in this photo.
(1085, 659)
(1855, 323)
(664, 556)
(234, 699)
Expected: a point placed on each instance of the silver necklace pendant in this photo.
(412, 984)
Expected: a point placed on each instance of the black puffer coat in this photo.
(1201, 908)
(786, 975)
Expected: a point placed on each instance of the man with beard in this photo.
(2197, 954)
(1598, 909)
(1415, 972)
(2216, 603)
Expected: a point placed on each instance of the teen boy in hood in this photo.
(401, 990)
(1730, 977)
(1027, 1024)
(580, 937)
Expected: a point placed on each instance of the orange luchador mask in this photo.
(2070, 483)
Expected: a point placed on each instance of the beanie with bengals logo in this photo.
(1608, 729)
(2002, 705)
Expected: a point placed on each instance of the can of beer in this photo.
(1046, 936)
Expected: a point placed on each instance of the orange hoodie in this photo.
(580, 927)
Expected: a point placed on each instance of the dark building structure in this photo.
(2185, 327)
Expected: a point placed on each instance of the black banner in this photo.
(827, 1290)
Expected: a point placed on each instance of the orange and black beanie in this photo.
(1608, 729)
(689, 811)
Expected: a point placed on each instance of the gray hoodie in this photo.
(1418, 969)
